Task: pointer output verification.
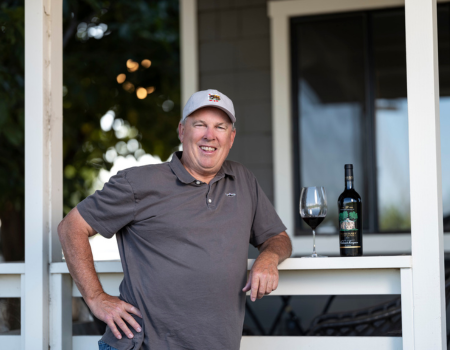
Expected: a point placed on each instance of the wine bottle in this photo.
(350, 217)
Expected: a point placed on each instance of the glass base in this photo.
(315, 256)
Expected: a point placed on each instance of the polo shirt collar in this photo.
(226, 168)
(185, 177)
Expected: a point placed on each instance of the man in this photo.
(183, 230)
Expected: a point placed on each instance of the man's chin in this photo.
(210, 165)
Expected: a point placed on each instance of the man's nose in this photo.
(209, 134)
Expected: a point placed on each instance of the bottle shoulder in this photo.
(350, 194)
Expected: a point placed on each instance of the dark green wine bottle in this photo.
(350, 217)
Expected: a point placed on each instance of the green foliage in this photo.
(136, 30)
(12, 105)
(392, 219)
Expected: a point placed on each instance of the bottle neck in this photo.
(348, 184)
(348, 179)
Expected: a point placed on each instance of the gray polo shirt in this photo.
(183, 246)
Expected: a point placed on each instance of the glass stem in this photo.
(314, 241)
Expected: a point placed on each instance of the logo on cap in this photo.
(215, 98)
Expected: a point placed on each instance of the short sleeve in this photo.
(110, 209)
(266, 222)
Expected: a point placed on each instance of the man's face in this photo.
(207, 138)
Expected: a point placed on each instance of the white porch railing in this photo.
(331, 276)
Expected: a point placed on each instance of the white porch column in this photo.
(189, 49)
(425, 175)
(43, 162)
(281, 118)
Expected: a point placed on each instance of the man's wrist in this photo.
(92, 297)
(270, 256)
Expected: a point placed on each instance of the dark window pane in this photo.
(330, 83)
(391, 121)
(444, 88)
(350, 80)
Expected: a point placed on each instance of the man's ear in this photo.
(181, 132)
(233, 135)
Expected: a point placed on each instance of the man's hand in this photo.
(263, 277)
(114, 311)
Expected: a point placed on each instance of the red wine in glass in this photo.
(313, 210)
(313, 222)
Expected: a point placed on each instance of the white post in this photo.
(425, 175)
(22, 311)
(281, 120)
(43, 162)
(407, 308)
(61, 312)
(189, 49)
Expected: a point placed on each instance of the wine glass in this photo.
(313, 210)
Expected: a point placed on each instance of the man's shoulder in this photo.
(145, 172)
(238, 169)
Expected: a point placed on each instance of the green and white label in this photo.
(348, 220)
(348, 227)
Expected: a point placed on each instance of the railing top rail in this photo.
(12, 268)
(337, 263)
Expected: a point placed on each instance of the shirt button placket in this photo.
(209, 200)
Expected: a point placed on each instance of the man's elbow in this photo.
(61, 229)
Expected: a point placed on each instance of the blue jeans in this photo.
(104, 346)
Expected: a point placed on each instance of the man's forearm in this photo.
(74, 234)
(278, 247)
(79, 259)
(263, 277)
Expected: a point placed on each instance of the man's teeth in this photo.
(208, 148)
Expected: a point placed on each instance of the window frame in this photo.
(280, 13)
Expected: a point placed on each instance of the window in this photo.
(349, 106)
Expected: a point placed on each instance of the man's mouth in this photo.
(208, 149)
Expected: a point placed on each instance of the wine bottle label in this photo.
(348, 227)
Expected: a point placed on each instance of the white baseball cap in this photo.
(209, 98)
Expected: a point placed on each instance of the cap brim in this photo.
(233, 119)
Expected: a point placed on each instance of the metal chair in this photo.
(381, 320)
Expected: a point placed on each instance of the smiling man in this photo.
(183, 230)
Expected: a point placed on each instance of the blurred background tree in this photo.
(12, 126)
(121, 86)
(121, 97)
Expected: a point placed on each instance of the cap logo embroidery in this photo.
(230, 194)
(215, 98)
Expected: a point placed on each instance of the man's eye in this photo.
(221, 127)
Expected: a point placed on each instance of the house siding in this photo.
(234, 58)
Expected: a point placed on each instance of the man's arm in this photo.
(263, 277)
(74, 233)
